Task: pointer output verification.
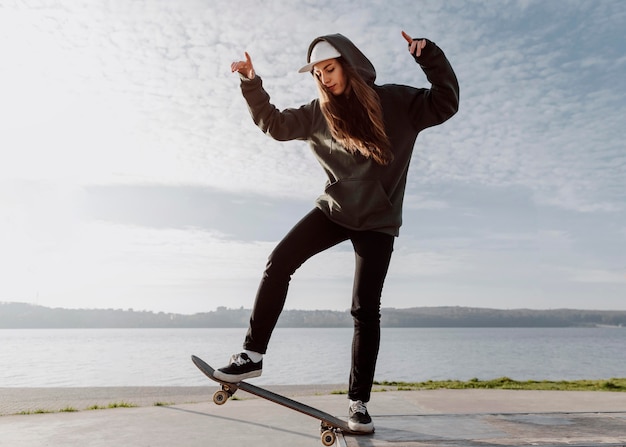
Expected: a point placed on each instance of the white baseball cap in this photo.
(321, 51)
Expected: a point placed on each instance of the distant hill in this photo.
(23, 316)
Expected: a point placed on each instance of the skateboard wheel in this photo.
(220, 397)
(328, 437)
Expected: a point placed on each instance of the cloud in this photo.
(192, 207)
(599, 276)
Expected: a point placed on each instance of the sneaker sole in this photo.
(230, 378)
(361, 428)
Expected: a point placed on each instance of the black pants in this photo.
(314, 234)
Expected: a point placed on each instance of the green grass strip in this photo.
(506, 383)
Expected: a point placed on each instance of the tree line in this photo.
(24, 316)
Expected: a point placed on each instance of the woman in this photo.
(363, 135)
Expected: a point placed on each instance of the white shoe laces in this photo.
(358, 407)
(237, 359)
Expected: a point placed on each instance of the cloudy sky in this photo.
(131, 175)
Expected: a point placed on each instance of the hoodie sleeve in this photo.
(441, 101)
(288, 124)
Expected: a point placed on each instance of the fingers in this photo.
(242, 66)
(415, 46)
(235, 66)
(422, 44)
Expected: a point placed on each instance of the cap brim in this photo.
(307, 68)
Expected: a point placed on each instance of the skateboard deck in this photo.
(330, 425)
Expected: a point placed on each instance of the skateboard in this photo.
(330, 425)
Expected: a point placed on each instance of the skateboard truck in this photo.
(221, 396)
(328, 434)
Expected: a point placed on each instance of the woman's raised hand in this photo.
(415, 46)
(244, 67)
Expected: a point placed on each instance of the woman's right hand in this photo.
(244, 67)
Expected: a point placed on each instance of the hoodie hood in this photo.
(350, 53)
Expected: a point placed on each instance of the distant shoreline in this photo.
(29, 316)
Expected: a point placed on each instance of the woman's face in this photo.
(331, 75)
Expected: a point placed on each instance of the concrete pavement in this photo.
(439, 418)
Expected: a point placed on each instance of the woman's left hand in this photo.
(415, 46)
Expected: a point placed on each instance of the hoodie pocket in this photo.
(356, 203)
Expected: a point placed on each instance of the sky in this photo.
(132, 176)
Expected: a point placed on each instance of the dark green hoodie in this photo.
(361, 194)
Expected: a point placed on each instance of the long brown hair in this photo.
(355, 118)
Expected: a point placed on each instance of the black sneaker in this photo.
(239, 368)
(359, 419)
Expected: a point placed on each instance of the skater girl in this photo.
(363, 136)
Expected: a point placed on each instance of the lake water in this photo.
(161, 357)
